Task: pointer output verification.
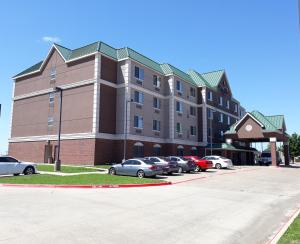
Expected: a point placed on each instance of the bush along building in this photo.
(110, 95)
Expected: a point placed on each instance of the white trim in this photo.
(180, 147)
(12, 108)
(139, 144)
(157, 146)
(46, 91)
(204, 115)
(273, 139)
(171, 109)
(139, 88)
(221, 111)
(251, 117)
(96, 98)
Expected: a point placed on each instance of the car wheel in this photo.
(197, 169)
(112, 171)
(29, 170)
(218, 166)
(16, 174)
(180, 170)
(141, 174)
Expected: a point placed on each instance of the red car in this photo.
(201, 164)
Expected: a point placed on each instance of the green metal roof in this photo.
(210, 80)
(270, 123)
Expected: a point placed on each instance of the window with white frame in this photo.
(138, 97)
(50, 121)
(192, 92)
(52, 73)
(221, 118)
(210, 114)
(138, 122)
(210, 95)
(179, 86)
(228, 104)
(179, 107)
(235, 108)
(178, 128)
(221, 133)
(156, 125)
(228, 120)
(221, 101)
(156, 103)
(138, 73)
(193, 130)
(156, 81)
(192, 111)
(51, 97)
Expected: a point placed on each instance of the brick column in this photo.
(273, 150)
(286, 153)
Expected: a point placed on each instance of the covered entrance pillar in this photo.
(286, 153)
(273, 150)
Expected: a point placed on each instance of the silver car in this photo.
(136, 167)
(12, 166)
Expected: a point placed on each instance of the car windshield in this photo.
(184, 159)
(266, 155)
(223, 158)
(146, 161)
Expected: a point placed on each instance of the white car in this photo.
(12, 166)
(219, 162)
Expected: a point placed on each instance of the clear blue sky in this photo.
(257, 42)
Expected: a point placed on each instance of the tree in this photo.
(294, 144)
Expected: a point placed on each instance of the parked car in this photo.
(201, 164)
(219, 162)
(185, 165)
(12, 166)
(168, 166)
(136, 167)
(266, 159)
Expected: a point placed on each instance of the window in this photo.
(50, 121)
(228, 104)
(210, 114)
(156, 103)
(235, 108)
(180, 150)
(156, 81)
(156, 125)
(221, 133)
(228, 120)
(52, 73)
(209, 132)
(156, 151)
(179, 86)
(138, 73)
(179, 107)
(221, 101)
(178, 128)
(138, 122)
(210, 96)
(138, 97)
(193, 92)
(193, 130)
(51, 97)
(192, 111)
(138, 150)
(221, 119)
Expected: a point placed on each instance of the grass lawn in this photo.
(104, 166)
(292, 235)
(64, 169)
(88, 179)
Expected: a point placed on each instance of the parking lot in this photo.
(245, 205)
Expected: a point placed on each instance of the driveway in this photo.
(247, 205)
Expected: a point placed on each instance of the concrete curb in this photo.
(85, 186)
(274, 239)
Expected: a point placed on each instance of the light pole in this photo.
(125, 130)
(57, 161)
(210, 126)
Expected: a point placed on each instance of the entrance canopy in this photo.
(256, 127)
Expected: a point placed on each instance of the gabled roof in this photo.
(210, 79)
(268, 123)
